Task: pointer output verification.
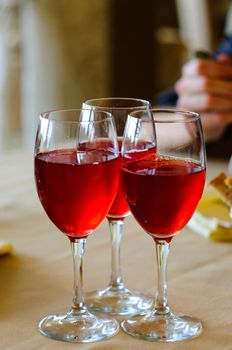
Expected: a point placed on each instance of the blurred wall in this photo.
(65, 50)
(58, 53)
(10, 75)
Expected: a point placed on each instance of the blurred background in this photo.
(58, 53)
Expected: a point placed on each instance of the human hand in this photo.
(206, 87)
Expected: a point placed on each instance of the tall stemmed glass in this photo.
(116, 298)
(162, 194)
(77, 174)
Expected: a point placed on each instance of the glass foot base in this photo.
(82, 327)
(163, 328)
(118, 301)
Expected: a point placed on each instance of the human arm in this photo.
(205, 86)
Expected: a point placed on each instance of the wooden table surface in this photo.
(36, 279)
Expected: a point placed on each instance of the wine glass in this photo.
(162, 194)
(116, 298)
(77, 174)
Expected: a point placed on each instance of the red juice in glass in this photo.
(76, 209)
(120, 208)
(163, 193)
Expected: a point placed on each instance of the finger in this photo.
(200, 84)
(214, 120)
(214, 124)
(209, 68)
(224, 58)
(213, 134)
(204, 102)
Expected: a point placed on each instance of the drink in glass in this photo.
(116, 298)
(77, 174)
(162, 194)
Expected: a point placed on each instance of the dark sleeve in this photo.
(225, 46)
(221, 148)
(166, 98)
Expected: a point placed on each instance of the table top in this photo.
(36, 279)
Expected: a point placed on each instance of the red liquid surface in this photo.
(75, 192)
(163, 194)
(120, 207)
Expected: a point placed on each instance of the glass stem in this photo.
(162, 253)
(78, 249)
(116, 227)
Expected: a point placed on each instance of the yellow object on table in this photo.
(211, 219)
(5, 247)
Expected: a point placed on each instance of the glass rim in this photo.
(45, 115)
(146, 103)
(193, 116)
